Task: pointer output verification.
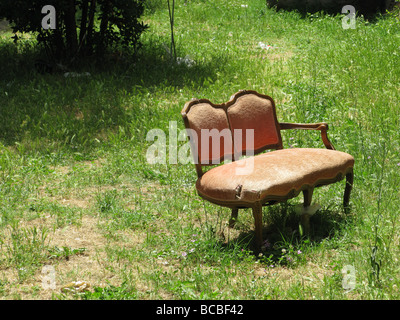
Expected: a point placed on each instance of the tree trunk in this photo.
(106, 10)
(70, 29)
(58, 45)
(83, 28)
(89, 37)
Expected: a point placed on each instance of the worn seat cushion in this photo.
(276, 174)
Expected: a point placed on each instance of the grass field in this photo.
(79, 198)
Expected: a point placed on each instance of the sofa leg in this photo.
(305, 217)
(347, 191)
(257, 213)
(307, 194)
(234, 216)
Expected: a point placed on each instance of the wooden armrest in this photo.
(310, 126)
(323, 127)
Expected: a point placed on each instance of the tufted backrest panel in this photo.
(255, 115)
(247, 122)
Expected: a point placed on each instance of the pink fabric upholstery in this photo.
(253, 112)
(216, 126)
(208, 121)
(275, 173)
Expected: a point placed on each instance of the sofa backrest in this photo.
(246, 124)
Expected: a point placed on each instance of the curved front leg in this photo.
(305, 216)
(234, 216)
(257, 213)
(347, 190)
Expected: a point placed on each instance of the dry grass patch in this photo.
(76, 252)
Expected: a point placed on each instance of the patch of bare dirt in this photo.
(92, 265)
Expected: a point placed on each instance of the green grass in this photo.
(77, 192)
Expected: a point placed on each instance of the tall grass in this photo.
(73, 157)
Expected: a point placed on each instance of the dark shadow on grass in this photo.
(150, 67)
(90, 101)
(282, 232)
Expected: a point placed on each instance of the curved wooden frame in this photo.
(256, 207)
(323, 127)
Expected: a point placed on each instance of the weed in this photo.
(25, 249)
(124, 292)
(64, 252)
